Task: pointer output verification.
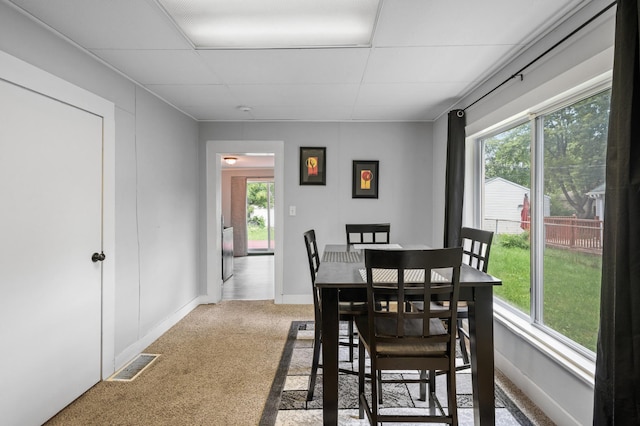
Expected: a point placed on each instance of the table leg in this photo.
(482, 363)
(330, 325)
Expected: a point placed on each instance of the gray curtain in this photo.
(617, 381)
(454, 183)
(239, 215)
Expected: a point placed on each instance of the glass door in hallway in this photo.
(260, 215)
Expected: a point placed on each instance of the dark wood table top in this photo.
(346, 273)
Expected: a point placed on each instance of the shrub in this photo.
(515, 240)
(257, 221)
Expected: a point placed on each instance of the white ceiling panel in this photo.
(195, 94)
(425, 55)
(160, 66)
(287, 66)
(221, 112)
(467, 22)
(302, 113)
(410, 94)
(292, 95)
(110, 24)
(432, 64)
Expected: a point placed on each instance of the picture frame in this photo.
(313, 165)
(366, 175)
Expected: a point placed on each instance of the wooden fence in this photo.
(569, 231)
(560, 231)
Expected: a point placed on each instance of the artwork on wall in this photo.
(365, 179)
(313, 166)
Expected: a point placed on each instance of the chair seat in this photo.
(352, 308)
(407, 347)
(463, 308)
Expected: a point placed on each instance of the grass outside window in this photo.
(571, 288)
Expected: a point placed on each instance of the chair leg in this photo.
(423, 385)
(463, 344)
(314, 365)
(432, 392)
(361, 378)
(375, 385)
(351, 340)
(451, 396)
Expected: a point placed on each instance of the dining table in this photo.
(339, 274)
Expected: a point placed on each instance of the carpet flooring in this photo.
(288, 406)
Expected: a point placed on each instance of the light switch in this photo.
(292, 210)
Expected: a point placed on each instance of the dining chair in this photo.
(347, 310)
(406, 339)
(476, 246)
(362, 233)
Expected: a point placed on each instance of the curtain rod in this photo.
(519, 72)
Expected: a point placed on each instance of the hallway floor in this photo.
(252, 279)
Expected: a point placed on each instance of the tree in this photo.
(508, 155)
(575, 141)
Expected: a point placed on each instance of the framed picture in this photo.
(365, 179)
(313, 166)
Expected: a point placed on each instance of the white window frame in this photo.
(571, 356)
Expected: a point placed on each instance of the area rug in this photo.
(287, 403)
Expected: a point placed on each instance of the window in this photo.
(261, 215)
(544, 199)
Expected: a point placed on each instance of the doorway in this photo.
(216, 217)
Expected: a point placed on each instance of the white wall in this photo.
(404, 151)
(567, 397)
(157, 187)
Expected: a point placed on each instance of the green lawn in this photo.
(257, 233)
(571, 288)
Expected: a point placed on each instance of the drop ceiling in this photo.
(423, 56)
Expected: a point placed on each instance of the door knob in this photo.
(97, 257)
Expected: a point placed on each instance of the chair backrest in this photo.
(368, 232)
(314, 264)
(408, 276)
(476, 245)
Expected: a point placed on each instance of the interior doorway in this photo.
(219, 193)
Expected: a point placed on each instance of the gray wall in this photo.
(157, 186)
(405, 192)
(562, 388)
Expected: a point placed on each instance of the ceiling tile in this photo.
(216, 112)
(112, 24)
(195, 95)
(291, 95)
(160, 66)
(433, 64)
(466, 22)
(287, 66)
(406, 93)
(305, 113)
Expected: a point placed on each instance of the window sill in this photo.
(567, 357)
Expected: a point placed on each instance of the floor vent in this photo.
(132, 370)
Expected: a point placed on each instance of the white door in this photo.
(50, 224)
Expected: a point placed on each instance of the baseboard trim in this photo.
(549, 406)
(141, 344)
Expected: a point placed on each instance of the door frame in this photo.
(215, 149)
(23, 74)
